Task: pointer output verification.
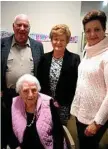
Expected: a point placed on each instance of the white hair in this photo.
(28, 78)
(21, 16)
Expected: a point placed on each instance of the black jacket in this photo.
(66, 85)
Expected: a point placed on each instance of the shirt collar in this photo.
(15, 43)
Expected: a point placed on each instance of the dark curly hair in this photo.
(95, 15)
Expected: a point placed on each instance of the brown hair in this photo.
(95, 15)
(60, 29)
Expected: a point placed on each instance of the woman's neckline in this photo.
(29, 113)
(57, 58)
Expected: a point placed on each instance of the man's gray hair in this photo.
(28, 78)
(24, 16)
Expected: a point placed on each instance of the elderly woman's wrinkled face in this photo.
(59, 42)
(29, 93)
(94, 32)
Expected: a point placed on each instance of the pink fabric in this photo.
(43, 116)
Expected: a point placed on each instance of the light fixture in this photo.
(105, 3)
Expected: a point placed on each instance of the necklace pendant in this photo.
(29, 125)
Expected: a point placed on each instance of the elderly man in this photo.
(19, 55)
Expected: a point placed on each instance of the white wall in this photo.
(43, 16)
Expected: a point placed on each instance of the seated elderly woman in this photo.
(35, 122)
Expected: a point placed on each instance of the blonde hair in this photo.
(60, 29)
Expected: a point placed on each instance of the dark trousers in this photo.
(8, 96)
(6, 126)
(89, 142)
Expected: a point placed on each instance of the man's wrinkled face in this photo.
(21, 29)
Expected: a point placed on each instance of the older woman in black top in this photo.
(35, 122)
(57, 71)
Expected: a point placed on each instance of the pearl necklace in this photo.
(29, 125)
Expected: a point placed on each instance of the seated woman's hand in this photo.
(56, 104)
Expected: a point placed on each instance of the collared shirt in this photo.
(15, 43)
(20, 61)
